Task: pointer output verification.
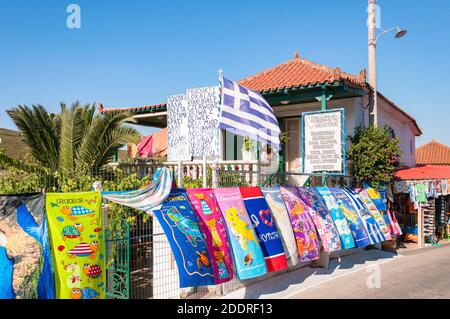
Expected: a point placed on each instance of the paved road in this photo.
(423, 273)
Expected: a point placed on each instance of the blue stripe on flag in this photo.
(248, 122)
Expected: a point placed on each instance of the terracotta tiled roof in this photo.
(433, 153)
(146, 108)
(299, 72)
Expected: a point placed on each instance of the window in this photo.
(391, 132)
(411, 150)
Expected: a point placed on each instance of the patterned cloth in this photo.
(364, 195)
(247, 253)
(180, 224)
(24, 248)
(77, 238)
(304, 231)
(265, 227)
(281, 217)
(338, 217)
(213, 227)
(370, 225)
(321, 218)
(246, 113)
(148, 198)
(354, 221)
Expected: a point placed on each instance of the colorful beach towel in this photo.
(321, 217)
(354, 221)
(213, 226)
(180, 224)
(265, 228)
(148, 198)
(304, 231)
(25, 256)
(247, 253)
(283, 222)
(370, 225)
(77, 239)
(338, 217)
(363, 194)
(379, 198)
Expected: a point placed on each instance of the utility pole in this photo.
(372, 27)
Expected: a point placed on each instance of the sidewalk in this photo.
(289, 284)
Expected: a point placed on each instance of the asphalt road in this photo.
(422, 273)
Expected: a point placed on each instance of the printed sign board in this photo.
(323, 142)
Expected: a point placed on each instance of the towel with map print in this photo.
(188, 243)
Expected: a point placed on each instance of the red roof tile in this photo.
(299, 72)
(433, 153)
(154, 108)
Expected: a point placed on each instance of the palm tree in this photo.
(75, 141)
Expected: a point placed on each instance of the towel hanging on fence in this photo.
(302, 225)
(321, 218)
(283, 222)
(354, 221)
(213, 227)
(265, 227)
(338, 217)
(78, 244)
(180, 224)
(24, 248)
(247, 253)
(148, 198)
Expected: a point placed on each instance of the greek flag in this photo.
(246, 113)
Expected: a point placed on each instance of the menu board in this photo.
(322, 141)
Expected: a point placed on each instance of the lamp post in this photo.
(373, 39)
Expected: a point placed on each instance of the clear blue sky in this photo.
(130, 53)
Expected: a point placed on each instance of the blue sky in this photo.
(130, 53)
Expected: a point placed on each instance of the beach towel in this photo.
(247, 253)
(144, 147)
(302, 225)
(283, 222)
(25, 256)
(77, 239)
(321, 217)
(370, 225)
(148, 198)
(338, 217)
(363, 194)
(188, 244)
(379, 199)
(354, 221)
(213, 227)
(265, 228)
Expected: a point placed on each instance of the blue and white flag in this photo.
(245, 112)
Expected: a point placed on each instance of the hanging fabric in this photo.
(265, 228)
(148, 198)
(376, 214)
(321, 218)
(283, 222)
(354, 221)
(338, 217)
(188, 244)
(25, 256)
(213, 227)
(247, 253)
(371, 226)
(77, 239)
(303, 226)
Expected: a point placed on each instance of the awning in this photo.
(424, 172)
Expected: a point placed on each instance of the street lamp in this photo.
(373, 39)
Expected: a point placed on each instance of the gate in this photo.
(118, 263)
